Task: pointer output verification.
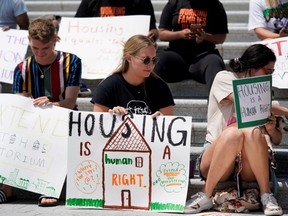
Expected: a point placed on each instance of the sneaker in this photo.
(270, 205)
(84, 91)
(198, 203)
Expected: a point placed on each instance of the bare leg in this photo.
(255, 159)
(218, 160)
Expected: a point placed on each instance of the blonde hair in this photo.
(42, 29)
(132, 46)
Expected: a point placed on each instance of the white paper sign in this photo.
(99, 41)
(131, 163)
(33, 145)
(253, 97)
(280, 48)
(14, 44)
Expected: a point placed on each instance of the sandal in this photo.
(47, 204)
(5, 199)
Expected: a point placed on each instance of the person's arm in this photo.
(167, 35)
(264, 34)
(71, 94)
(153, 34)
(212, 38)
(279, 110)
(23, 21)
(169, 110)
(274, 133)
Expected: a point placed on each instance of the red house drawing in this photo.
(126, 169)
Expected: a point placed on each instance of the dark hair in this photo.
(254, 57)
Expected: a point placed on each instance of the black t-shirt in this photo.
(105, 8)
(144, 99)
(180, 14)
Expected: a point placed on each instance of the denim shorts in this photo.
(205, 146)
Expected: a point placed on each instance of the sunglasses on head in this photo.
(146, 60)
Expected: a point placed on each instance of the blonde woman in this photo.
(133, 87)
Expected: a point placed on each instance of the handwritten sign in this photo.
(280, 48)
(33, 145)
(128, 163)
(98, 41)
(253, 98)
(14, 44)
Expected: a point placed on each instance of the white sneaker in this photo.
(270, 205)
(198, 203)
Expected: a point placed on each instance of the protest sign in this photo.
(280, 48)
(14, 44)
(33, 145)
(135, 162)
(253, 98)
(98, 41)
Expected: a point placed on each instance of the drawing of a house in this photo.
(126, 169)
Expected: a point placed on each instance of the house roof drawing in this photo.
(127, 138)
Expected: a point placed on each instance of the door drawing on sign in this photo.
(127, 169)
(126, 198)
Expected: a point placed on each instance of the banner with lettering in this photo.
(252, 98)
(133, 162)
(33, 145)
(14, 44)
(280, 48)
(98, 41)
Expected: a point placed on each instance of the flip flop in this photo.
(5, 199)
(47, 204)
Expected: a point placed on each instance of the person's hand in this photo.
(271, 124)
(200, 36)
(283, 33)
(118, 110)
(42, 101)
(157, 113)
(5, 28)
(187, 34)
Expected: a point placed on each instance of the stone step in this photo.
(236, 12)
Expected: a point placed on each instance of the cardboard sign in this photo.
(33, 145)
(14, 44)
(252, 98)
(280, 48)
(98, 41)
(134, 162)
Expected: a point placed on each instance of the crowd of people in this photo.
(193, 28)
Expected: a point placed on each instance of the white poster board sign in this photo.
(280, 48)
(252, 98)
(33, 145)
(14, 44)
(128, 163)
(98, 41)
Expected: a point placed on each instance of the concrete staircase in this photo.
(190, 96)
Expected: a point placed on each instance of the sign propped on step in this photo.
(135, 162)
(252, 98)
